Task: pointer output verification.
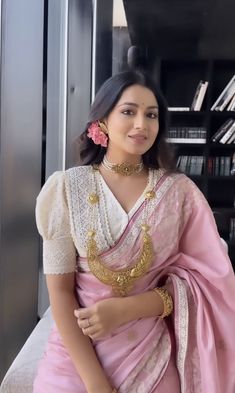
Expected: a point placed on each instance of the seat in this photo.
(20, 376)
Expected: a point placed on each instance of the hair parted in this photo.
(160, 154)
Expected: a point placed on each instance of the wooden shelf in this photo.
(230, 146)
(222, 178)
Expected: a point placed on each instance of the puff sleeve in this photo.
(53, 223)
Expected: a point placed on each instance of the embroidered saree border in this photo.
(181, 322)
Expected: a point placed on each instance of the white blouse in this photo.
(63, 218)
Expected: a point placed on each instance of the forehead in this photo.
(139, 95)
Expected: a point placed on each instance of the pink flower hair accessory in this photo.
(96, 133)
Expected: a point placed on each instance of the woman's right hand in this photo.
(100, 319)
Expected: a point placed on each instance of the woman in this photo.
(141, 289)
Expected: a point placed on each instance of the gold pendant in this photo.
(125, 169)
(122, 281)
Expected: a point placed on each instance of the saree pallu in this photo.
(192, 351)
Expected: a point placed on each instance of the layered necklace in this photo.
(124, 169)
(122, 280)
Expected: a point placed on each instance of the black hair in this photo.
(160, 154)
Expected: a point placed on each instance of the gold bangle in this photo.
(167, 301)
(114, 391)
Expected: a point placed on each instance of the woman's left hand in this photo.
(100, 319)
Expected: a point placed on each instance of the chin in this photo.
(138, 151)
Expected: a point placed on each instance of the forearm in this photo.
(79, 346)
(145, 305)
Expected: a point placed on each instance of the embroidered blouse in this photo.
(61, 206)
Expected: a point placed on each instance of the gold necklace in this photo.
(124, 169)
(122, 281)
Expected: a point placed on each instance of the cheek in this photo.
(155, 129)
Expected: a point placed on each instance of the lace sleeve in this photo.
(52, 218)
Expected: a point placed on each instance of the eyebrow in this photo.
(133, 104)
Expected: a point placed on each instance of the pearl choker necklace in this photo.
(124, 169)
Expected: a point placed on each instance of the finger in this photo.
(85, 323)
(89, 331)
(97, 336)
(82, 313)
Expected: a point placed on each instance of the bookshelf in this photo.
(179, 79)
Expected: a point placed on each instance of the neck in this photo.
(124, 168)
(121, 158)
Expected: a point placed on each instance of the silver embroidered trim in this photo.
(182, 328)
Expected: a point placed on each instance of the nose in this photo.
(140, 122)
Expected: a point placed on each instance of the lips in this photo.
(138, 137)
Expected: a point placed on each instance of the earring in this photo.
(97, 132)
(103, 127)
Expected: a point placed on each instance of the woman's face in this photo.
(133, 123)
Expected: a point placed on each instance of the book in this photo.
(199, 165)
(216, 166)
(231, 106)
(222, 130)
(196, 95)
(231, 139)
(210, 166)
(183, 163)
(221, 166)
(201, 95)
(228, 134)
(227, 165)
(232, 171)
(225, 96)
(232, 228)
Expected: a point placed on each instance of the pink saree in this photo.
(192, 351)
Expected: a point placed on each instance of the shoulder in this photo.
(176, 179)
(51, 205)
(184, 188)
(78, 174)
(77, 178)
(79, 170)
(54, 184)
(193, 198)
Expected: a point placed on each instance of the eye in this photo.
(152, 115)
(128, 112)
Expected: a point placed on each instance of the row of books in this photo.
(225, 133)
(216, 166)
(226, 99)
(187, 135)
(232, 228)
(191, 165)
(219, 166)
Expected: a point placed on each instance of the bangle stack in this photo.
(167, 301)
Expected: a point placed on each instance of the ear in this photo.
(104, 121)
(103, 127)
